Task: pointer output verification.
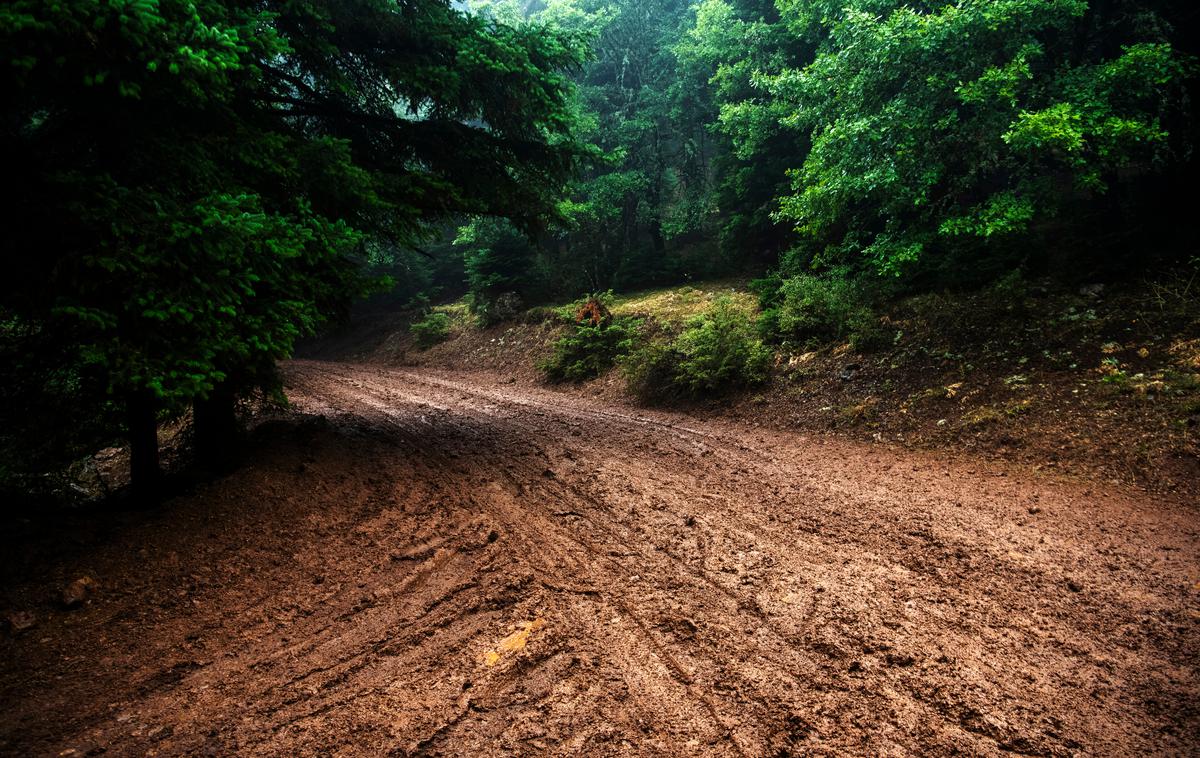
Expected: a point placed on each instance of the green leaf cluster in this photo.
(717, 352)
(201, 183)
(432, 329)
(589, 349)
(948, 131)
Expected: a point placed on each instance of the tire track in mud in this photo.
(492, 407)
(741, 601)
(566, 493)
(519, 520)
(752, 617)
(773, 472)
(443, 568)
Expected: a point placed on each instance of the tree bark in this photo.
(141, 423)
(657, 239)
(215, 427)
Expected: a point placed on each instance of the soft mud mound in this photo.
(441, 568)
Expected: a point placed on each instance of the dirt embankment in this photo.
(1106, 386)
(440, 567)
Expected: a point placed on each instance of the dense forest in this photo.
(922, 144)
(199, 184)
(702, 378)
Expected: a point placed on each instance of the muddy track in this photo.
(445, 568)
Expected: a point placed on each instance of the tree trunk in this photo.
(215, 427)
(657, 239)
(141, 422)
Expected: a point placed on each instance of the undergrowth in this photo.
(810, 311)
(594, 342)
(432, 329)
(717, 352)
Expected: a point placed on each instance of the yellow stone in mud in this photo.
(513, 642)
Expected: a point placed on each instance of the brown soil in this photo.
(415, 563)
(1107, 388)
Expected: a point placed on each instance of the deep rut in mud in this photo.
(443, 567)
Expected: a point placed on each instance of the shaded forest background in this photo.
(200, 184)
(905, 146)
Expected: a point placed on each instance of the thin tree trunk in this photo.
(141, 422)
(657, 239)
(215, 426)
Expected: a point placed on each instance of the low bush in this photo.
(541, 314)
(651, 371)
(432, 329)
(717, 352)
(594, 342)
(811, 310)
(490, 311)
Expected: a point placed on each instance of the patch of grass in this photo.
(1162, 383)
(1181, 382)
(675, 306)
(988, 415)
(937, 392)
(541, 314)
(441, 322)
(1018, 408)
(1190, 408)
(983, 416)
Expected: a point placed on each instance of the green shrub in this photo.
(767, 325)
(541, 314)
(817, 308)
(867, 335)
(432, 329)
(717, 352)
(587, 350)
(813, 310)
(1010, 291)
(594, 342)
(650, 372)
(501, 268)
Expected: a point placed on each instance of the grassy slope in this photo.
(675, 305)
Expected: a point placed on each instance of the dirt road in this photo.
(449, 567)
